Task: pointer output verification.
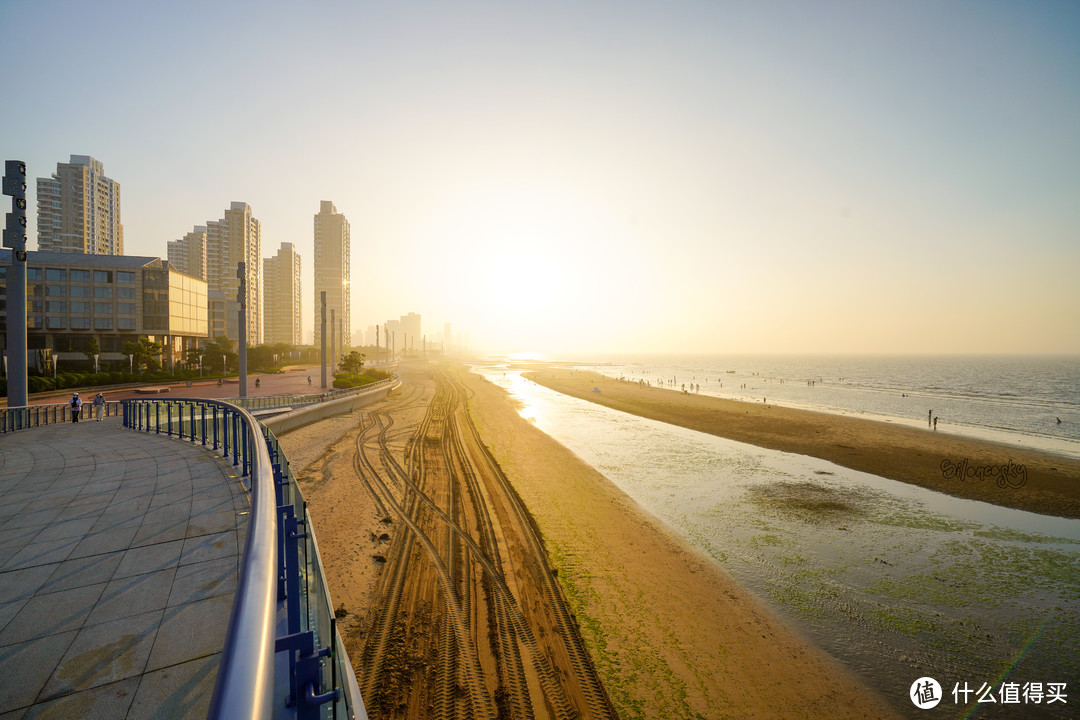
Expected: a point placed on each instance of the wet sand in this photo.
(935, 460)
(671, 634)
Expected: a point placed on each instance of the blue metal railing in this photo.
(281, 580)
(29, 416)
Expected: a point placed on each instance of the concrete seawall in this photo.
(307, 415)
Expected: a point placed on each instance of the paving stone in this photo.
(102, 654)
(82, 571)
(107, 702)
(208, 547)
(202, 580)
(191, 630)
(52, 613)
(150, 558)
(178, 692)
(124, 597)
(28, 666)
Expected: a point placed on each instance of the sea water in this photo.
(1012, 399)
(894, 581)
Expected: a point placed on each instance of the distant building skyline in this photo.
(332, 264)
(281, 297)
(78, 209)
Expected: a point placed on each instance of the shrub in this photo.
(36, 384)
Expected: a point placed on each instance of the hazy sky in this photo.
(600, 176)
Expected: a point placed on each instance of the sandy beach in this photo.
(670, 633)
(964, 467)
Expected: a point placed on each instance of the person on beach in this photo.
(256, 382)
(935, 423)
(76, 407)
(99, 406)
(929, 415)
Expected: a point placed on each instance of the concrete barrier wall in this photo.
(320, 411)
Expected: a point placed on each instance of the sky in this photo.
(600, 177)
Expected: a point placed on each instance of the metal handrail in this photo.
(31, 416)
(245, 678)
(246, 686)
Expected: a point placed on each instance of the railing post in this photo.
(203, 408)
(235, 437)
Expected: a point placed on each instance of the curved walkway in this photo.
(118, 561)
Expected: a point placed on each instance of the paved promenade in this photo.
(118, 562)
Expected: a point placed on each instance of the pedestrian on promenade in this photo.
(76, 407)
(99, 406)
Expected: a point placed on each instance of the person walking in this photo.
(99, 406)
(76, 407)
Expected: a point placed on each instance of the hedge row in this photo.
(351, 380)
(37, 383)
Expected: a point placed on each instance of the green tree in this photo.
(353, 363)
(218, 348)
(93, 347)
(146, 353)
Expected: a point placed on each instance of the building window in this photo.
(55, 291)
(103, 276)
(55, 306)
(79, 275)
(103, 292)
(33, 306)
(101, 308)
(33, 322)
(103, 324)
(125, 308)
(56, 323)
(123, 276)
(80, 291)
(80, 307)
(80, 323)
(54, 274)
(125, 323)
(33, 274)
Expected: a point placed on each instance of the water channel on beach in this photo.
(894, 581)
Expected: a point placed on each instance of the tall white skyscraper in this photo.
(331, 266)
(79, 209)
(281, 297)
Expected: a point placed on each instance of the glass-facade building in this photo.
(73, 297)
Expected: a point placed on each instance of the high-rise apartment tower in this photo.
(236, 237)
(79, 209)
(281, 297)
(332, 271)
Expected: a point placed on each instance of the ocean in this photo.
(1017, 399)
